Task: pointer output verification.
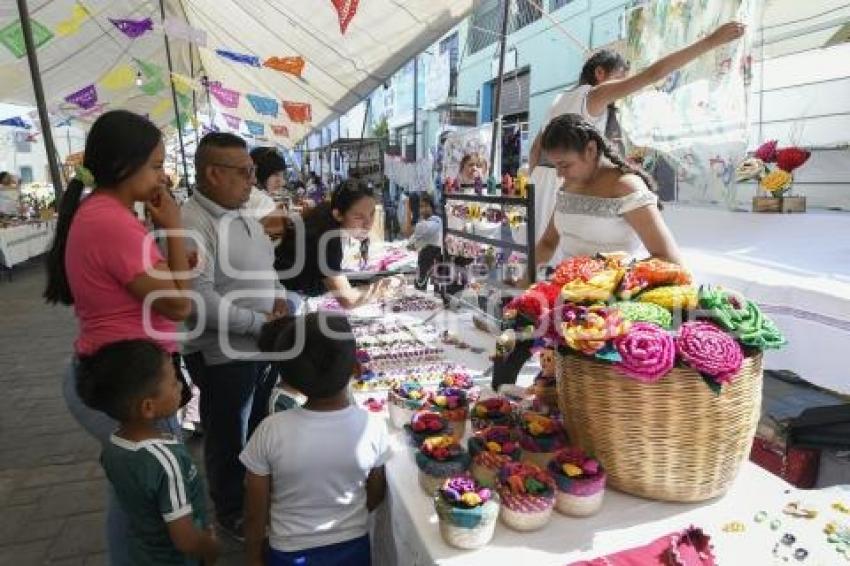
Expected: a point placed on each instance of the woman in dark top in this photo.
(309, 259)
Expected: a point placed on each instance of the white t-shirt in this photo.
(318, 462)
(428, 232)
(574, 101)
(260, 203)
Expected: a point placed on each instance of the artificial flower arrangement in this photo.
(776, 181)
(425, 424)
(467, 512)
(453, 404)
(461, 380)
(541, 437)
(580, 482)
(528, 496)
(491, 449)
(438, 458)
(493, 411)
(652, 320)
(405, 398)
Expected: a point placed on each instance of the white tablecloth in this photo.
(20, 243)
(797, 267)
(405, 529)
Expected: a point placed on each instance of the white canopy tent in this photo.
(341, 69)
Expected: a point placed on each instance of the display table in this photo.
(25, 241)
(405, 529)
(796, 267)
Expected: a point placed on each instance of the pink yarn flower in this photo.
(709, 350)
(647, 351)
(767, 151)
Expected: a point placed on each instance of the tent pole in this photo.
(38, 89)
(174, 96)
(362, 132)
(497, 108)
(194, 101)
(415, 107)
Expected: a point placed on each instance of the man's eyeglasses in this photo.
(247, 172)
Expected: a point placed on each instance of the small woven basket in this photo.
(673, 440)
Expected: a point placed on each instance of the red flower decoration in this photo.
(767, 151)
(576, 267)
(791, 158)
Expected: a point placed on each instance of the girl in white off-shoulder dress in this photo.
(605, 204)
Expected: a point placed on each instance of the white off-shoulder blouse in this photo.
(589, 224)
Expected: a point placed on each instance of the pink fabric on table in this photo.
(108, 247)
(687, 548)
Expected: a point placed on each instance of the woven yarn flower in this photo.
(709, 350)
(791, 158)
(598, 288)
(652, 273)
(464, 491)
(549, 323)
(750, 168)
(776, 181)
(767, 151)
(589, 333)
(519, 479)
(534, 302)
(741, 317)
(671, 297)
(648, 352)
(443, 447)
(645, 312)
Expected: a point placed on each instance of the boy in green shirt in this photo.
(157, 484)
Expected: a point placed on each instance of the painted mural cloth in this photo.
(698, 115)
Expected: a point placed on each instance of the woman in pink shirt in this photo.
(105, 263)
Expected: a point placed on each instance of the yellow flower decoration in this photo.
(494, 447)
(671, 297)
(571, 470)
(776, 181)
(471, 499)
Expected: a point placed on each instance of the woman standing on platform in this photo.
(105, 264)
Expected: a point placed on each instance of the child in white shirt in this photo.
(314, 472)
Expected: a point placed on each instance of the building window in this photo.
(556, 4)
(26, 174)
(22, 142)
(450, 45)
(487, 19)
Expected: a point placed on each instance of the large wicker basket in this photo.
(674, 440)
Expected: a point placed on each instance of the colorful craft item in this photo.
(652, 273)
(85, 98)
(647, 352)
(525, 479)
(345, 9)
(478, 185)
(492, 448)
(750, 168)
(599, 288)
(492, 411)
(70, 26)
(767, 151)
(535, 301)
(491, 185)
(577, 268)
(645, 312)
(12, 36)
(280, 130)
(133, 28)
(462, 491)
(580, 482)
(425, 424)
(289, 65)
(776, 181)
(521, 185)
(457, 379)
(449, 398)
(225, 96)
(710, 351)
(741, 317)
(298, 112)
(592, 328)
(441, 447)
(410, 390)
(507, 185)
(243, 58)
(537, 425)
(790, 158)
(674, 297)
(263, 105)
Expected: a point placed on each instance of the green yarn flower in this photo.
(740, 317)
(645, 312)
(84, 175)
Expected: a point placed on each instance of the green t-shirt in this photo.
(156, 482)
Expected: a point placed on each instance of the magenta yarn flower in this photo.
(647, 351)
(709, 350)
(767, 151)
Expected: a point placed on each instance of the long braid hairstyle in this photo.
(571, 132)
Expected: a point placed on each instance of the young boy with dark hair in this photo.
(314, 472)
(157, 484)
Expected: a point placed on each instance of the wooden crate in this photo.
(779, 204)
